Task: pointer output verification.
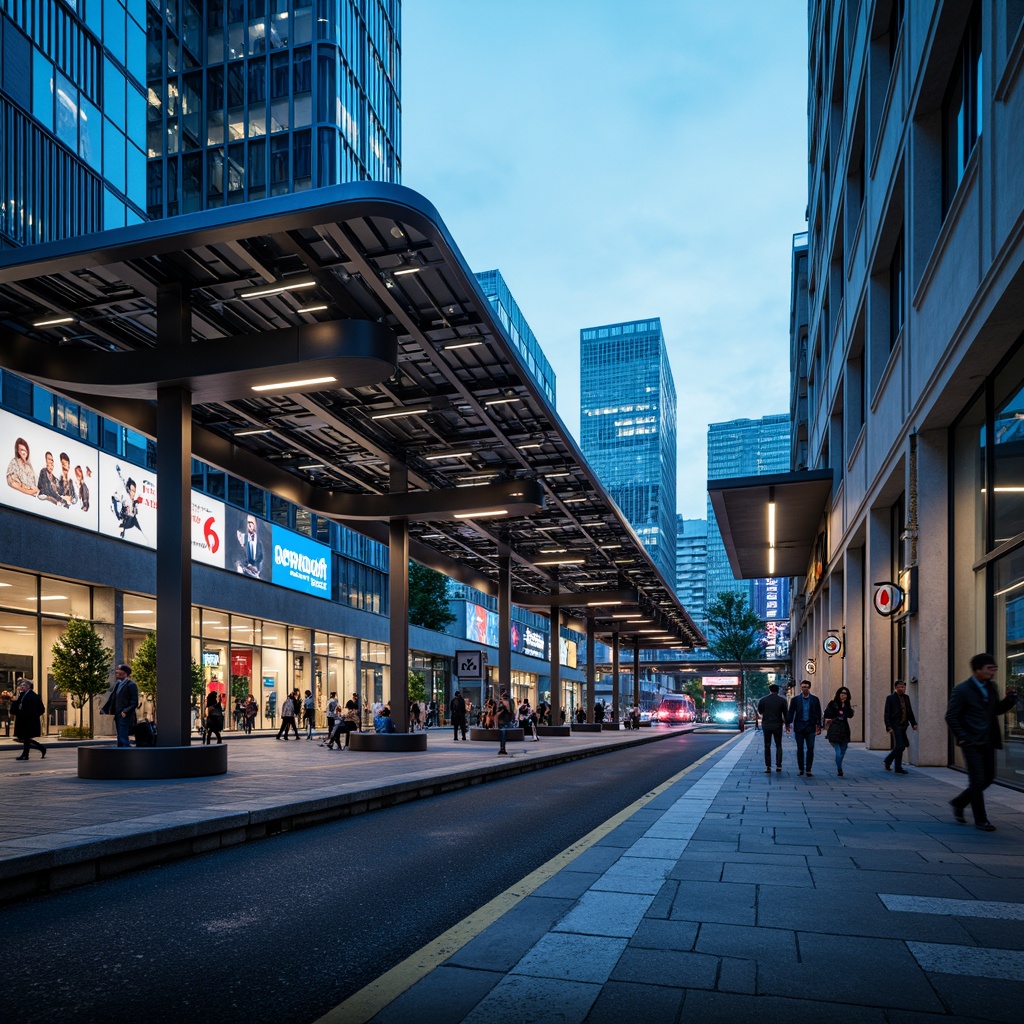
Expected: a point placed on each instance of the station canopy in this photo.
(448, 430)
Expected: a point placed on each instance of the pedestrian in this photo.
(898, 715)
(287, 718)
(251, 709)
(838, 713)
(214, 716)
(414, 716)
(804, 719)
(122, 704)
(634, 717)
(973, 717)
(27, 709)
(581, 715)
(432, 714)
(332, 713)
(354, 701)
(598, 712)
(504, 715)
(457, 709)
(309, 714)
(771, 710)
(528, 720)
(346, 723)
(543, 711)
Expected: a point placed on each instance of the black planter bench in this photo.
(388, 742)
(586, 727)
(494, 735)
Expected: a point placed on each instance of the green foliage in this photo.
(428, 598)
(198, 682)
(417, 687)
(75, 732)
(695, 688)
(734, 634)
(144, 666)
(240, 686)
(733, 629)
(81, 664)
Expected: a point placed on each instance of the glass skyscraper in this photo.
(735, 449)
(628, 428)
(72, 118)
(692, 567)
(256, 98)
(512, 319)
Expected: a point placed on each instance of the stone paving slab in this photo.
(854, 899)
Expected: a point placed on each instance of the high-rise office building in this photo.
(628, 428)
(72, 118)
(741, 448)
(519, 331)
(692, 566)
(265, 97)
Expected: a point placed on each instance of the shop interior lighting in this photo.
(294, 384)
(50, 597)
(54, 321)
(482, 515)
(395, 414)
(277, 289)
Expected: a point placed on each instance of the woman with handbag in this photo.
(214, 716)
(837, 725)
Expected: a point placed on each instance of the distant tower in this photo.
(735, 449)
(692, 567)
(628, 428)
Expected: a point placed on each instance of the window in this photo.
(897, 309)
(961, 110)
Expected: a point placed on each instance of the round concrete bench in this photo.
(553, 730)
(152, 762)
(586, 726)
(610, 726)
(388, 742)
(494, 735)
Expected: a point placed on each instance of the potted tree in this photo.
(81, 668)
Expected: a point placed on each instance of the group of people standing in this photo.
(972, 716)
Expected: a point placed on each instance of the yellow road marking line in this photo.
(370, 1000)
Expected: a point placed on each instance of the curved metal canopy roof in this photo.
(460, 411)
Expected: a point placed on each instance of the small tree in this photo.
(428, 598)
(417, 687)
(734, 632)
(695, 688)
(198, 682)
(81, 664)
(144, 666)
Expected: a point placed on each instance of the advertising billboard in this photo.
(208, 534)
(299, 563)
(48, 473)
(567, 652)
(127, 501)
(249, 544)
(527, 640)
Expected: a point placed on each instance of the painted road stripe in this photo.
(942, 958)
(369, 1001)
(953, 908)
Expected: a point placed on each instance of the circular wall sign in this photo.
(832, 645)
(809, 667)
(888, 598)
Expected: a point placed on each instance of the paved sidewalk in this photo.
(735, 895)
(57, 830)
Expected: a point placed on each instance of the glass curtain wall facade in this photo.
(735, 449)
(692, 567)
(72, 118)
(256, 98)
(628, 428)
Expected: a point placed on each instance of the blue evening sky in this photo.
(617, 161)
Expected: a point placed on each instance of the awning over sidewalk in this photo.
(769, 523)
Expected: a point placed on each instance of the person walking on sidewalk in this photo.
(837, 725)
(27, 708)
(973, 717)
(804, 719)
(457, 709)
(503, 717)
(898, 715)
(771, 710)
(122, 704)
(214, 716)
(309, 714)
(287, 718)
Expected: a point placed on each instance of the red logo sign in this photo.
(888, 598)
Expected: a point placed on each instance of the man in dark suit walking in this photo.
(772, 712)
(973, 717)
(898, 715)
(804, 719)
(122, 704)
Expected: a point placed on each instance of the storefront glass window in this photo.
(17, 651)
(18, 590)
(215, 625)
(60, 598)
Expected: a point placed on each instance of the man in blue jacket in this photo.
(804, 719)
(973, 717)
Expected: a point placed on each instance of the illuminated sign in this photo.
(300, 564)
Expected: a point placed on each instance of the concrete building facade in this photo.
(908, 357)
